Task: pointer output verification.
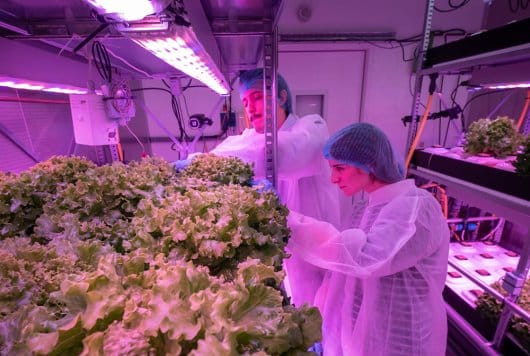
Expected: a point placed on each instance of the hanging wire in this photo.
(137, 139)
(492, 232)
(129, 64)
(25, 122)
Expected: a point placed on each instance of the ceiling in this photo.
(230, 29)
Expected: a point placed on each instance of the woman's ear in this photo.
(282, 98)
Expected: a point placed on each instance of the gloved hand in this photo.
(263, 185)
(182, 164)
(317, 348)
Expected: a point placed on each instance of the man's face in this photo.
(350, 179)
(253, 105)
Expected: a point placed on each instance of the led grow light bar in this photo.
(18, 83)
(131, 10)
(180, 48)
(175, 44)
(506, 86)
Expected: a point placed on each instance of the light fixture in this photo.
(507, 76)
(18, 83)
(507, 86)
(168, 35)
(180, 48)
(131, 10)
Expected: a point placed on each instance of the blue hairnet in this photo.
(253, 79)
(365, 146)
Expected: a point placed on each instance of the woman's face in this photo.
(350, 179)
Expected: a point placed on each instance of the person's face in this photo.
(350, 179)
(253, 105)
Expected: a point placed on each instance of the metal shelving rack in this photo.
(512, 208)
(247, 34)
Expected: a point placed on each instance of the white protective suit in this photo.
(303, 183)
(382, 292)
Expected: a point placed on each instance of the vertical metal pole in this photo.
(270, 64)
(526, 123)
(419, 78)
(100, 155)
(114, 155)
(517, 277)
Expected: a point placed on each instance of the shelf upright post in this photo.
(419, 78)
(101, 159)
(513, 283)
(114, 153)
(526, 123)
(270, 67)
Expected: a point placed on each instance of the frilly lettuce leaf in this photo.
(66, 340)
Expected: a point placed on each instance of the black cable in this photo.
(446, 132)
(176, 111)
(401, 43)
(453, 101)
(403, 54)
(174, 106)
(102, 61)
(196, 86)
(455, 90)
(440, 109)
(153, 88)
(90, 37)
(186, 106)
(479, 95)
(452, 7)
(187, 85)
(512, 8)
(380, 46)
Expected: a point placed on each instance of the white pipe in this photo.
(471, 334)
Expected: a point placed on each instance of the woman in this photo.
(382, 290)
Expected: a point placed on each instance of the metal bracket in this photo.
(512, 283)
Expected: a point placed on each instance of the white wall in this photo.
(388, 80)
(194, 100)
(404, 17)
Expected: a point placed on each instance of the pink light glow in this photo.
(35, 85)
(129, 11)
(509, 86)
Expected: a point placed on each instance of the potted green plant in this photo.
(498, 137)
(476, 136)
(522, 163)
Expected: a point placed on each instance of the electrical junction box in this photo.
(92, 126)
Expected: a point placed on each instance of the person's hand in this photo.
(182, 164)
(263, 185)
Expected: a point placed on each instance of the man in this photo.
(382, 291)
(303, 174)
